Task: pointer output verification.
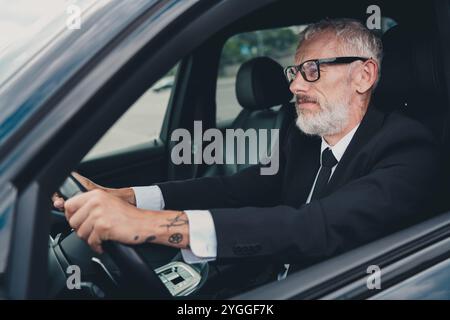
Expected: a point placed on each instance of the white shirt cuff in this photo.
(202, 237)
(149, 198)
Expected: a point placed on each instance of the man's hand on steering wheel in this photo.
(108, 222)
(99, 216)
(125, 194)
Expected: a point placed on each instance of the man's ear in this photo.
(367, 75)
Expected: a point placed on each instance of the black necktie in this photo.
(328, 162)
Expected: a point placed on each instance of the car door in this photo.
(430, 284)
(389, 268)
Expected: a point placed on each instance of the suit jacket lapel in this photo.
(371, 123)
(304, 163)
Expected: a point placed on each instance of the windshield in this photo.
(27, 26)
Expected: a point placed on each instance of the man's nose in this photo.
(299, 84)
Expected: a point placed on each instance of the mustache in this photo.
(302, 98)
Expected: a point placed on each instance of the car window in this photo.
(278, 44)
(142, 122)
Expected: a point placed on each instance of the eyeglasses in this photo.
(310, 69)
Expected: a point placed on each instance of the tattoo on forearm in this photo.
(148, 239)
(178, 221)
(176, 238)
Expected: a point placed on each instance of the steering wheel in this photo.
(137, 278)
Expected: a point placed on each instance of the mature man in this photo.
(348, 173)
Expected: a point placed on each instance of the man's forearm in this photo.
(169, 228)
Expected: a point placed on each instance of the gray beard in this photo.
(329, 120)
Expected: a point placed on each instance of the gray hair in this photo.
(354, 36)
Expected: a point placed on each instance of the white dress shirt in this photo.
(202, 232)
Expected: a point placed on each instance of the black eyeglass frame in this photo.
(318, 62)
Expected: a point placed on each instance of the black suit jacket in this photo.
(385, 180)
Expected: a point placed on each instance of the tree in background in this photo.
(276, 43)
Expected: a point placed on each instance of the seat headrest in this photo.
(261, 84)
(409, 70)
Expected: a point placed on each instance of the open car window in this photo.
(278, 44)
(143, 120)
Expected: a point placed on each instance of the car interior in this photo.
(412, 82)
